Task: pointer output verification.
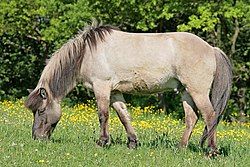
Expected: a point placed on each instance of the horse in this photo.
(111, 62)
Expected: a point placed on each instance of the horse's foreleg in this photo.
(121, 110)
(190, 118)
(102, 94)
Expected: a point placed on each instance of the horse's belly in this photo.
(143, 86)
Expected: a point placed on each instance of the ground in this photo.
(73, 142)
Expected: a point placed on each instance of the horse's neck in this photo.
(59, 85)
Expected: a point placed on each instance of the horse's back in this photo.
(159, 48)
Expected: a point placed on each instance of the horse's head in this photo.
(46, 111)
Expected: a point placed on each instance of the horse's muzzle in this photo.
(40, 137)
(43, 134)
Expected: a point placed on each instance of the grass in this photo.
(73, 142)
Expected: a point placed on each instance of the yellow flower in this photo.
(41, 161)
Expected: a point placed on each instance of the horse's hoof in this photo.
(132, 144)
(182, 146)
(102, 143)
(212, 153)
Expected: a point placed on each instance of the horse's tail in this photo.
(221, 89)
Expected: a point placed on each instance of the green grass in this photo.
(73, 142)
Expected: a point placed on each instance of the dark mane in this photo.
(94, 33)
(61, 73)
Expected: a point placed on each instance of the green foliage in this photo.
(19, 37)
(132, 15)
(31, 30)
(206, 19)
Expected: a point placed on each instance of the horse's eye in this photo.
(41, 111)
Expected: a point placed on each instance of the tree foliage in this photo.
(31, 30)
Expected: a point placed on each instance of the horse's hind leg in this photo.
(190, 117)
(204, 105)
(203, 137)
(118, 103)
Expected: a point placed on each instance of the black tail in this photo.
(221, 89)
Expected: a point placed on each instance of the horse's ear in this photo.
(47, 61)
(43, 93)
(30, 90)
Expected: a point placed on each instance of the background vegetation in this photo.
(31, 30)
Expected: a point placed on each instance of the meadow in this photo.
(73, 141)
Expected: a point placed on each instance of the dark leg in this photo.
(121, 110)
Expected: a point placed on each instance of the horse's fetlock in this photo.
(132, 143)
(103, 141)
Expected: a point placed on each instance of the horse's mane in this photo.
(61, 72)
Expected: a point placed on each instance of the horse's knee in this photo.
(103, 114)
(119, 106)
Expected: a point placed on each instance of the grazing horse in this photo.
(111, 62)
